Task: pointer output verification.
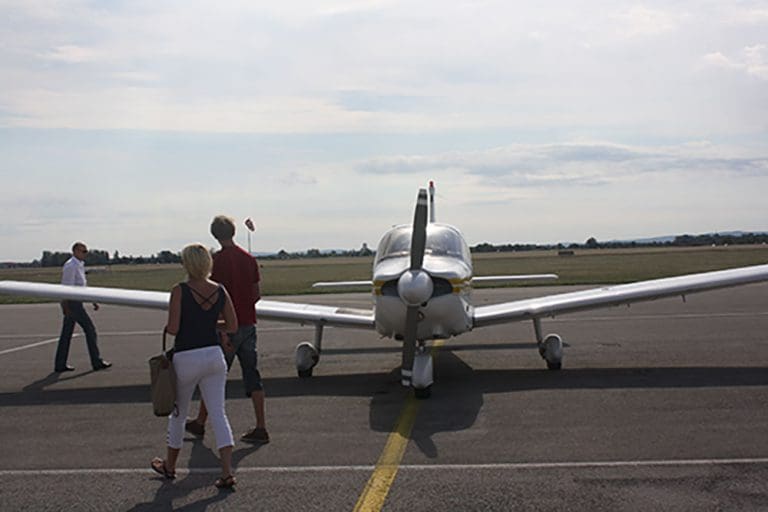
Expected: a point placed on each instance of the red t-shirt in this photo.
(238, 271)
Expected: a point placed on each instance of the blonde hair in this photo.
(197, 261)
(223, 228)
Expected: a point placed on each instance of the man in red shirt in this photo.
(238, 271)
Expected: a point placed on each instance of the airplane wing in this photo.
(512, 278)
(475, 280)
(342, 284)
(118, 296)
(265, 309)
(553, 305)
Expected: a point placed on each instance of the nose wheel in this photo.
(423, 372)
(422, 393)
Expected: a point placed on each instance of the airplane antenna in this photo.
(431, 201)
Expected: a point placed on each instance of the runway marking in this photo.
(509, 466)
(377, 488)
(32, 345)
(119, 333)
(22, 336)
(147, 333)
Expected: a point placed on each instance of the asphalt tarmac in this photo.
(661, 406)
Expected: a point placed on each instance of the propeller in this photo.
(419, 234)
(414, 286)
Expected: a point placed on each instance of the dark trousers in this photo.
(77, 315)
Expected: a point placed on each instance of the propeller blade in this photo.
(409, 344)
(419, 236)
(418, 246)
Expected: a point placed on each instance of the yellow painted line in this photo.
(377, 488)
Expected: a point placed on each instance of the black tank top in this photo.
(198, 325)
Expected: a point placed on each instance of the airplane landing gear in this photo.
(422, 376)
(550, 348)
(422, 393)
(552, 351)
(307, 357)
(308, 354)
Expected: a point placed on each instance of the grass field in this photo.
(290, 277)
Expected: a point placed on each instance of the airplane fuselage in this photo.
(447, 261)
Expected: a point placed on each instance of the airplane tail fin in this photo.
(431, 201)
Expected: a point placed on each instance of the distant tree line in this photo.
(317, 253)
(57, 259)
(716, 239)
(711, 239)
(100, 257)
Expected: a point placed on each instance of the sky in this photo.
(130, 124)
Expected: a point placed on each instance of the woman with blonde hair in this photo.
(193, 314)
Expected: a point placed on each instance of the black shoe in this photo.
(103, 365)
(257, 435)
(65, 368)
(193, 427)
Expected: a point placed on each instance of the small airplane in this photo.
(422, 279)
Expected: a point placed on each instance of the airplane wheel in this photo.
(552, 351)
(307, 357)
(422, 393)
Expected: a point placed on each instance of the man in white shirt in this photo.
(73, 274)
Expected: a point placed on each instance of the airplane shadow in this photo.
(450, 371)
(396, 349)
(457, 398)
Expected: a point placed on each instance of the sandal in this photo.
(225, 482)
(159, 466)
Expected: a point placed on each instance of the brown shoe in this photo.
(195, 428)
(257, 435)
(225, 482)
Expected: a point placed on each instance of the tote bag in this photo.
(163, 382)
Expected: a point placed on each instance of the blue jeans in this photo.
(77, 315)
(244, 342)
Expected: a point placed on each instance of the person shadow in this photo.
(203, 469)
(41, 384)
(54, 377)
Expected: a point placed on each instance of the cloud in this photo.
(580, 164)
(752, 60)
(293, 178)
(72, 54)
(372, 101)
(640, 21)
(299, 105)
(747, 16)
(756, 60)
(371, 66)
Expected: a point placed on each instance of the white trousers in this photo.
(205, 368)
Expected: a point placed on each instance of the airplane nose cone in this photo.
(414, 287)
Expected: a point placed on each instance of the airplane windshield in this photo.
(442, 240)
